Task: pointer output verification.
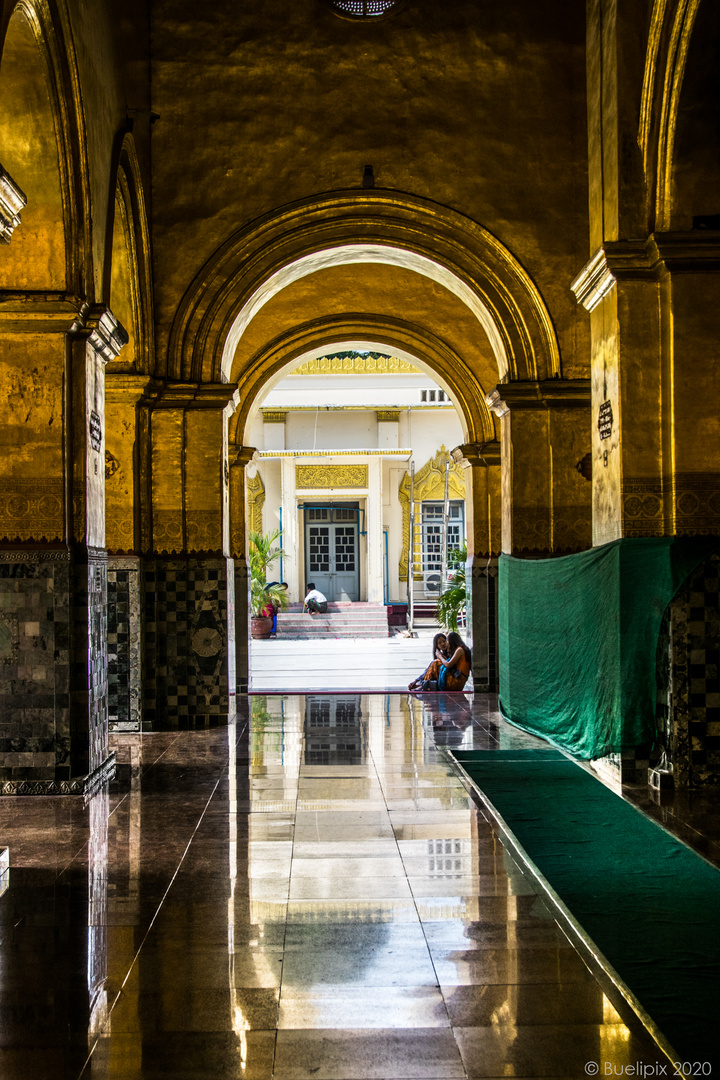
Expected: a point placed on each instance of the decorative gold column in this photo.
(481, 462)
(239, 457)
(53, 570)
(655, 395)
(545, 432)
(189, 581)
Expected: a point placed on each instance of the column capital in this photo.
(650, 258)
(123, 386)
(274, 416)
(12, 201)
(535, 394)
(479, 455)
(179, 395)
(107, 336)
(385, 416)
(240, 456)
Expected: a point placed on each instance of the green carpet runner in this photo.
(650, 904)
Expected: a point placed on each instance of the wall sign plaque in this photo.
(95, 431)
(605, 420)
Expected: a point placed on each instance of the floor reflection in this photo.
(308, 892)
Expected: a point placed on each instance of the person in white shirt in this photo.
(314, 600)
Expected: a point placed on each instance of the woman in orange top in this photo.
(453, 673)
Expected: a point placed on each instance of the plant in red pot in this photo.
(265, 599)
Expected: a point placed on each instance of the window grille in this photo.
(432, 527)
(363, 9)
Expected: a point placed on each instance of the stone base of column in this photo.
(482, 574)
(186, 641)
(124, 644)
(53, 668)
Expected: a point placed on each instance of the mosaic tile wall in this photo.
(694, 715)
(124, 642)
(185, 641)
(34, 665)
(89, 665)
(242, 615)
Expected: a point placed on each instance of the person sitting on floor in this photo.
(274, 604)
(439, 652)
(314, 600)
(452, 673)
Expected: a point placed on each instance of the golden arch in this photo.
(129, 244)
(395, 334)
(671, 28)
(258, 260)
(54, 40)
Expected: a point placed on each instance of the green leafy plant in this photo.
(454, 597)
(263, 554)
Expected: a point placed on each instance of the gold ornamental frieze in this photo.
(356, 365)
(331, 476)
(32, 510)
(648, 505)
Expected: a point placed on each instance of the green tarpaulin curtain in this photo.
(578, 640)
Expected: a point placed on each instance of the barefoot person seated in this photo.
(439, 652)
(451, 673)
(314, 600)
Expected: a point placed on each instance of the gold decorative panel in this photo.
(356, 365)
(429, 485)
(255, 503)
(331, 476)
(32, 510)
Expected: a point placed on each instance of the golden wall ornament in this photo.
(274, 416)
(32, 510)
(331, 476)
(386, 416)
(255, 503)
(372, 364)
(429, 487)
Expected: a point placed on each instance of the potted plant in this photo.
(264, 597)
(454, 598)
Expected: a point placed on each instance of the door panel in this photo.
(331, 553)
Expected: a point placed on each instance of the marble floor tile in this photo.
(237, 908)
(377, 1054)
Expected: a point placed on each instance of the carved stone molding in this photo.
(594, 281)
(35, 555)
(12, 201)
(331, 476)
(479, 455)
(107, 336)
(649, 259)
(80, 785)
(533, 394)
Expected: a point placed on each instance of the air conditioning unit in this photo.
(432, 582)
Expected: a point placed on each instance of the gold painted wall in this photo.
(430, 97)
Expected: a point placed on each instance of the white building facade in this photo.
(335, 443)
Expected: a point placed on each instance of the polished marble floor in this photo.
(308, 892)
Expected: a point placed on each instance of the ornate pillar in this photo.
(53, 570)
(239, 459)
(293, 570)
(482, 483)
(546, 502)
(189, 577)
(128, 401)
(374, 527)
